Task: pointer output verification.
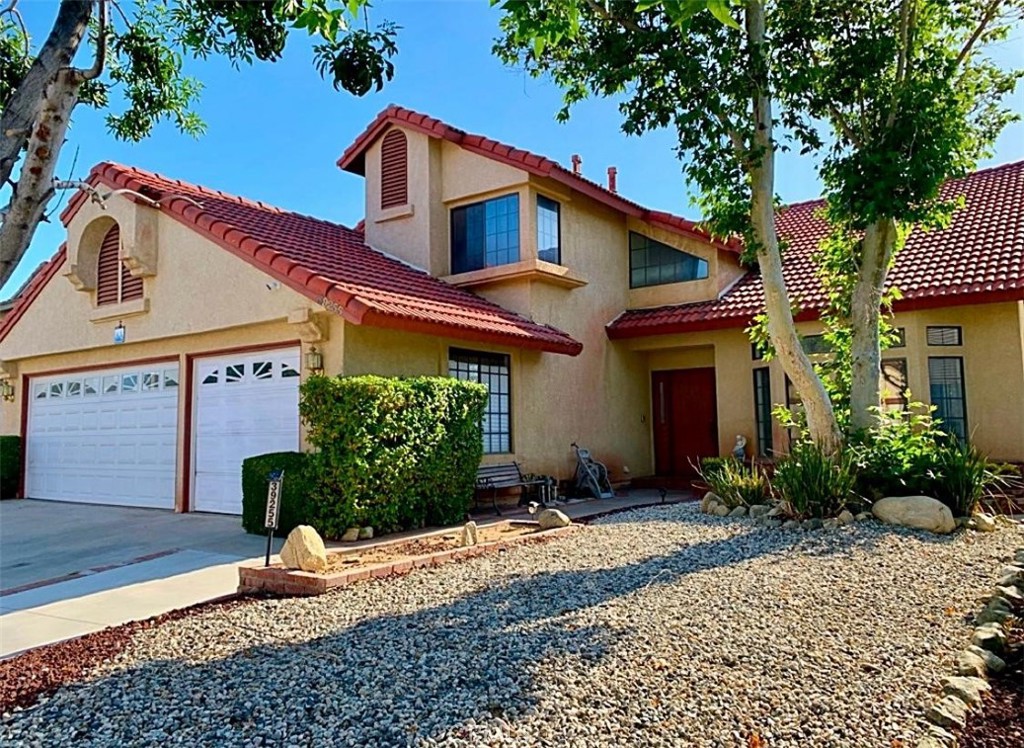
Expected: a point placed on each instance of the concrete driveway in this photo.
(68, 569)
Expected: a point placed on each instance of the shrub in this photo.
(735, 483)
(813, 483)
(393, 453)
(958, 476)
(10, 465)
(893, 458)
(296, 489)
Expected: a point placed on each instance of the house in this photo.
(166, 339)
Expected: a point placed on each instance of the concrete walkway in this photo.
(192, 568)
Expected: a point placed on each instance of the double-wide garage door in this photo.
(111, 436)
(104, 437)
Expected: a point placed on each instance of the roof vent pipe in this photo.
(612, 183)
(577, 164)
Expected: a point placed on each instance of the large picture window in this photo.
(485, 234)
(763, 410)
(492, 370)
(549, 235)
(946, 382)
(652, 263)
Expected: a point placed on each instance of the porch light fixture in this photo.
(314, 361)
(7, 391)
(119, 333)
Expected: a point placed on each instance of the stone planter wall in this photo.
(254, 578)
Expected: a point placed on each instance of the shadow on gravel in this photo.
(387, 681)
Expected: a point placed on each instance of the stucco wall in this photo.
(993, 354)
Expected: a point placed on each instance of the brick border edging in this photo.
(962, 692)
(277, 580)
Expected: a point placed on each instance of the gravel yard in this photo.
(658, 627)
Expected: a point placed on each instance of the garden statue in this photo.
(739, 451)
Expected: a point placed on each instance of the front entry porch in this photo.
(685, 420)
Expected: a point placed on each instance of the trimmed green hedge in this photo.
(10, 465)
(299, 482)
(393, 453)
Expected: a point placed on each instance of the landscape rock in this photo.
(771, 524)
(993, 662)
(304, 549)
(990, 637)
(469, 534)
(740, 511)
(365, 533)
(984, 523)
(996, 610)
(720, 510)
(790, 524)
(966, 688)
(863, 516)
(549, 519)
(949, 712)
(937, 738)
(814, 523)
(350, 535)
(710, 499)
(919, 512)
(830, 524)
(758, 510)
(845, 517)
(1010, 594)
(775, 511)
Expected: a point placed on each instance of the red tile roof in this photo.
(327, 262)
(353, 160)
(978, 258)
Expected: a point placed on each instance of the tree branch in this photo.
(986, 19)
(101, 46)
(606, 15)
(908, 18)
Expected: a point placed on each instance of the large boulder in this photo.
(919, 512)
(304, 549)
(548, 519)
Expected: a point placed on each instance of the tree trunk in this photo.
(35, 184)
(865, 315)
(21, 128)
(821, 420)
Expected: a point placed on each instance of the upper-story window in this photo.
(549, 233)
(652, 263)
(485, 234)
(114, 283)
(394, 170)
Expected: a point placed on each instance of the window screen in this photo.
(763, 410)
(492, 370)
(946, 382)
(945, 335)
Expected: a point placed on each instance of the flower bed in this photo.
(390, 558)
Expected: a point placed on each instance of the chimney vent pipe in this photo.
(577, 164)
(612, 181)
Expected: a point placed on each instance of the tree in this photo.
(911, 100)
(893, 96)
(690, 65)
(136, 75)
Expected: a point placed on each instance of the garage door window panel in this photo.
(170, 378)
(129, 383)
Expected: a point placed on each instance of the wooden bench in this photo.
(498, 477)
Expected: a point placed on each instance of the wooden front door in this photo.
(685, 419)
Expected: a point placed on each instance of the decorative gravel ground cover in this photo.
(658, 627)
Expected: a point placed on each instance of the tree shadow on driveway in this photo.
(385, 681)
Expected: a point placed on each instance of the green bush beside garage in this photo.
(10, 465)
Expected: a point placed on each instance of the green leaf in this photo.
(720, 10)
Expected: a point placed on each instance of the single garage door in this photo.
(246, 404)
(104, 437)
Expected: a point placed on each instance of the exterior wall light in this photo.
(119, 333)
(7, 391)
(314, 361)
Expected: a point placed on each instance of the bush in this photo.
(813, 483)
(393, 453)
(296, 489)
(894, 458)
(735, 483)
(10, 465)
(958, 476)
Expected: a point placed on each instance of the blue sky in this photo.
(276, 130)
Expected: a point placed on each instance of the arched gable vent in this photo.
(394, 170)
(114, 283)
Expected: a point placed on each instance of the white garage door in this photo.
(104, 437)
(246, 404)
